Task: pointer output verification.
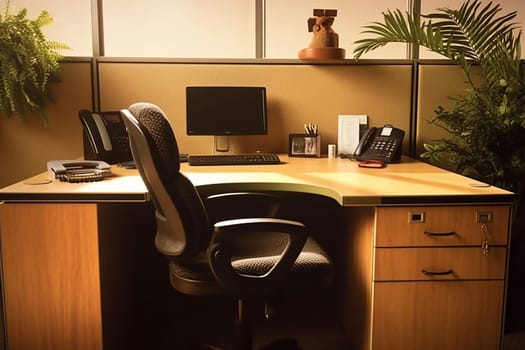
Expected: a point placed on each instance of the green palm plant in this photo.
(27, 63)
(486, 125)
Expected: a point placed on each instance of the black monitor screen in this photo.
(226, 110)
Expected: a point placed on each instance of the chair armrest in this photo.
(220, 252)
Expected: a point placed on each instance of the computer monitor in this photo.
(225, 111)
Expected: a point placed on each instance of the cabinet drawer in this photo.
(407, 264)
(451, 315)
(434, 226)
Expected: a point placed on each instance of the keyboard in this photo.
(234, 159)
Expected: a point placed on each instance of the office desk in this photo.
(414, 276)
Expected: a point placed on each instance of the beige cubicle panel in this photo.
(438, 85)
(297, 94)
(26, 146)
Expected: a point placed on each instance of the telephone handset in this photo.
(382, 144)
(105, 137)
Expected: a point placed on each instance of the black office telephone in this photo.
(382, 144)
(105, 137)
(78, 170)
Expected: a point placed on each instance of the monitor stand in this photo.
(222, 144)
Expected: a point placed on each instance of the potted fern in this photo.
(486, 125)
(27, 63)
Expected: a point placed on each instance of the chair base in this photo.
(242, 340)
(282, 344)
(242, 335)
(279, 344)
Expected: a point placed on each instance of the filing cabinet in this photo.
(439, 277)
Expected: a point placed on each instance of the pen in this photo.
(311, 128)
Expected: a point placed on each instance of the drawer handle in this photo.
(437, 273)
(439, 234)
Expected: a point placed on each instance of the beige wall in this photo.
(297, 93)
(25, 147)
(437, 85)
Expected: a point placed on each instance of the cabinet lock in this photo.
(483, 217)
(416, 216)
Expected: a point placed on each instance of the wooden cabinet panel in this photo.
(50, 276)
(440, 225)
(439, 263)
(437, 315)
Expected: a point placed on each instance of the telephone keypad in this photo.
(383, 146)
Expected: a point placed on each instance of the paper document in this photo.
(349, 132)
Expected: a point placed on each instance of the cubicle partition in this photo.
(403, 93)
(297, 94)
(26, 145)
(437, 85)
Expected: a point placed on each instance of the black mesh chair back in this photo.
(156, 153)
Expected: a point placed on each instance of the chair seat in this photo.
(311, 269)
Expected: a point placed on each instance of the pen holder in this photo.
(304, 145)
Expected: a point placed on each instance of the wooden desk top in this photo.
(408, 182)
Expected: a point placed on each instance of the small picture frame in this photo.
(304, 145)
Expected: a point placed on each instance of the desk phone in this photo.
(382, 144)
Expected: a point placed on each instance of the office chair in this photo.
(239, 255)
